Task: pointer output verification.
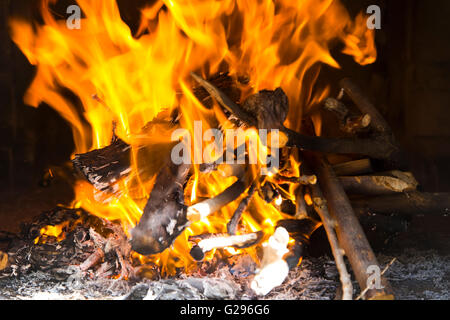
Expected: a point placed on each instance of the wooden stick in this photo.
(374, 147)
(233, 223)
(352, 168)
(303, 179)
(349, 232)
(320, 205)
(363, 103)
(408, 204)
(329, 224)
(301, 209)
(210, 241)
(376, 185)
(203, 209)
(223, 99)
(348, 123)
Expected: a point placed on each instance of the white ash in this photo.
(416, 275)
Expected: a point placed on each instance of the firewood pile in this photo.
(367, 181)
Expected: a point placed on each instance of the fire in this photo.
(124, 80)
(56, 232)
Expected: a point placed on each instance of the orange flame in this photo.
(134, 77)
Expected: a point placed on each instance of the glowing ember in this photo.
(134, 77)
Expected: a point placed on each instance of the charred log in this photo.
(104, 167)
(377, 147)
(164, 216)
(234, 221)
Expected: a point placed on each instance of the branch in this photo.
(233, 223)
(210, 241)
(376, 147)
(203, 209)
(349, 232)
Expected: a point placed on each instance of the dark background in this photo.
(409, 83)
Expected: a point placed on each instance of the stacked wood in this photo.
(270, 114)
(350, 234)
(368, 134)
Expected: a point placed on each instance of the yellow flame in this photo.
(128, 79)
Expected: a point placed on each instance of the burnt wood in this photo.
(234, 221)
(164, 216)
(104, 167)
(377, 147)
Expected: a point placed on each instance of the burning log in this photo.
(272, 113)
(273, 269)
(407, 204)
(349, 232)
(203, 209)
(300, 230)
(164, 216)
(379, 184)
(268, 192)
(93, 260)
(210, 241)
(301, 209)
(223, 99)
(3, 260)
(104, 167)
(225, 170)
(233, 223)
(223, 81)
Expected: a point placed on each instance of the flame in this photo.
(127, 79)
(56, 232)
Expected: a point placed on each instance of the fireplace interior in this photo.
(395, 192)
